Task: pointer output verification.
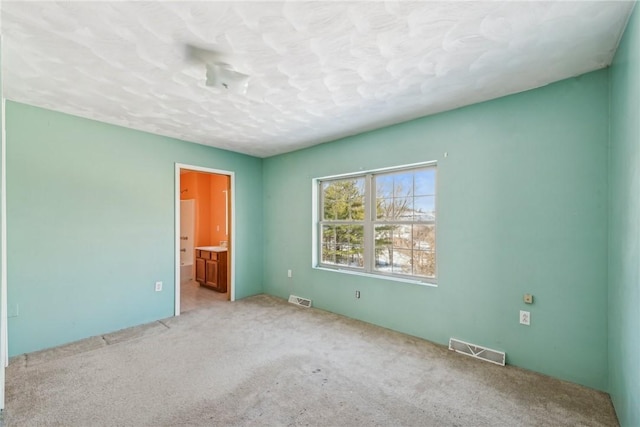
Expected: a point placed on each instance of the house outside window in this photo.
(379, 222)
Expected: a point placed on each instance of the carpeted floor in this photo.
(262, 361)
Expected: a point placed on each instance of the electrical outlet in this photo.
(158, 286)
(289, 275)
(357, 294)
(525, 317)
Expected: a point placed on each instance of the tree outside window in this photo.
(344, 213)
(394, 212)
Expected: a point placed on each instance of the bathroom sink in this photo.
(212, 248)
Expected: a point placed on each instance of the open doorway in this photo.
(204, 237)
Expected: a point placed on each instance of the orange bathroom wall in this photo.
(208, 192)
(187, 186)
(203, 219)
(219, 183)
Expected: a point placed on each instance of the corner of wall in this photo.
(623, 275)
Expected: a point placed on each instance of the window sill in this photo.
(378, 276)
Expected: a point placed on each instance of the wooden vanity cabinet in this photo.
(211, 269)
(201, 270)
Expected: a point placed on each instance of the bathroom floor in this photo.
(193, 296)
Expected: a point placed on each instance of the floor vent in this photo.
(302, 302)
(479, 352)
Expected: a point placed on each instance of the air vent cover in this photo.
(302, 302)
(479, 352)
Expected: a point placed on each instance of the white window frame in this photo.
(369, 226)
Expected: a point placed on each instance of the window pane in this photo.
(343, 199)
(383, 247)
(343, 245)
(403, 184)
(424, 263)
(406, 196)
(424, 254)
(402, 261)
(424, 237)
(383, 259)
(406, 249)
(384, 235)
(425, 182)
(384, 186)
(393, 248)
(424, 208)
(399, 208)
(387, 204)
(403, 208)
(384, 208)
(328, 244)
(402, 237)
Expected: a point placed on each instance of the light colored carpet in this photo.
(262, 361)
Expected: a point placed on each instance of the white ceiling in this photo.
(319, 71)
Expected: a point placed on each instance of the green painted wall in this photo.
(2, 267)
(525, 196)
(91, 225)
(522, 208)
(624, 227)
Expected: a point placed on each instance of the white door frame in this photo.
(232, 231)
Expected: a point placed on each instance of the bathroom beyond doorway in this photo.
(203, 220)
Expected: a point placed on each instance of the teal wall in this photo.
(91, 225)
(522, 208)
(527, 203)
(2, 267)
(624, 228)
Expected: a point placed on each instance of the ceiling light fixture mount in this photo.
(223, 76)
(220, 74)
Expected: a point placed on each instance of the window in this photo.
(381, 222)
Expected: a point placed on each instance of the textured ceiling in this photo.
(319, 71)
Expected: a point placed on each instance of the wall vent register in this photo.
(477, 351)
(302, 302)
